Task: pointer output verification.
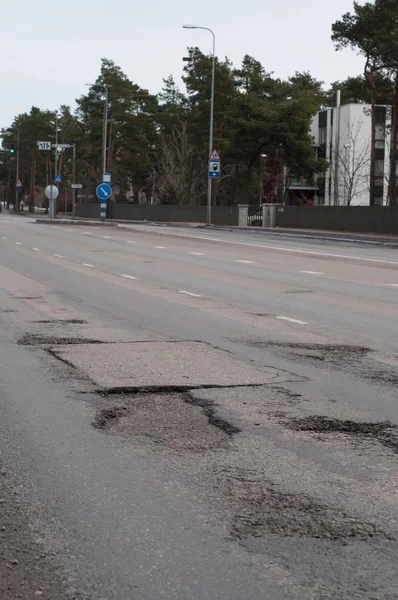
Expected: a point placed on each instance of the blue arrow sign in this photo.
(214, 169)
(58, 179)
(104, 191)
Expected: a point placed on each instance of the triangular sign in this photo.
(214, 155)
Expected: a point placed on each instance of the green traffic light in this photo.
(12, 150)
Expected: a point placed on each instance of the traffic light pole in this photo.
(17, 176)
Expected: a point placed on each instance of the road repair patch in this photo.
(179, 365)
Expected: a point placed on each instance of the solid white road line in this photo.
(190, 294)
(247, 262)
(282, 249)
(128, 277)
(197, 253)
(88, 265)
(312, 273)
(292, 320)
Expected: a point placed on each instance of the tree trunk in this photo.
(392, 183)
(32, 184)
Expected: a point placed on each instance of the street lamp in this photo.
(104, 87)
(213, 70)
(16, 209)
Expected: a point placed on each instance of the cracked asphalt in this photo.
(196, 415)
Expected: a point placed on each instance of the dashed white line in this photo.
(292, 320)
(312, 272)
(107, 237)
(197, 253)
(160, 247)
(128, 276)
(55, 226)
(18, 244)
(88, 265)
(392, 284)
(130, 242)
(58, 256)
(69, 230)
(36, 249)
(190, 294)
(247, 262)
(4, 238)
(86, 233)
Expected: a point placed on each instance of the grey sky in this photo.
(50, 49)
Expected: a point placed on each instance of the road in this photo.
(195, 414)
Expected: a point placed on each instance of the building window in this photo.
(379, 168)
(322, 136)
(380, 135)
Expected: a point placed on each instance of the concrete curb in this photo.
(74, 222)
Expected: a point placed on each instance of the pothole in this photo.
(265, 509)
(8, 310)
(61, 322)
(177, 421)
(32, 339)
(385, 433)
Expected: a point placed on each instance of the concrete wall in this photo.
(359, 219)
(221, 215)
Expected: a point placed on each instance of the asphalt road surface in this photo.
(192, 414)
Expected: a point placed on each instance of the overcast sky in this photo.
(49, 49)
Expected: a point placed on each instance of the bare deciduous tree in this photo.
(353, 163)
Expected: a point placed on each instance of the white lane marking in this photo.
(107, 237)
(4, 238)
(247, 262)
(160, 247)
(282, 249)
(130, 242)
(58, 256)
(197, 253)
(18, 244)
(128, 277)
(55, 226)
(312, 272)
(190, 294)
(292, 320)
(88, 265)
(392, 284)
(69, 230)
(86, 232)
(36, 249)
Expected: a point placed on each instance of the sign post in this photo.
(52, 193)
(104, 193)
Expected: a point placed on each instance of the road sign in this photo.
(104, 191)
(214, 155)
(44, 145)
(19, 185)
(103, 210)
(58, 179)
(77, 186)
(214, 169)
(51, 192)
(62, 146)
(106, 178)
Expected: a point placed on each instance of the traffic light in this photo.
(12, 149)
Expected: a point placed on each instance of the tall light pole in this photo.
(213, 72)
(17, 170)
(104, 87)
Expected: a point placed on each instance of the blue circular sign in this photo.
(104, 191)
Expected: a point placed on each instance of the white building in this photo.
(343, 136)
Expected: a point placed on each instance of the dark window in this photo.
(323, 119)
(322, 136)
(380, 114)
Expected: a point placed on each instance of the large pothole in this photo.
(175, 420)
(32, 339)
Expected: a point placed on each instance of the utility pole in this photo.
(337, 149)
(16, 207)
(74, 182)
